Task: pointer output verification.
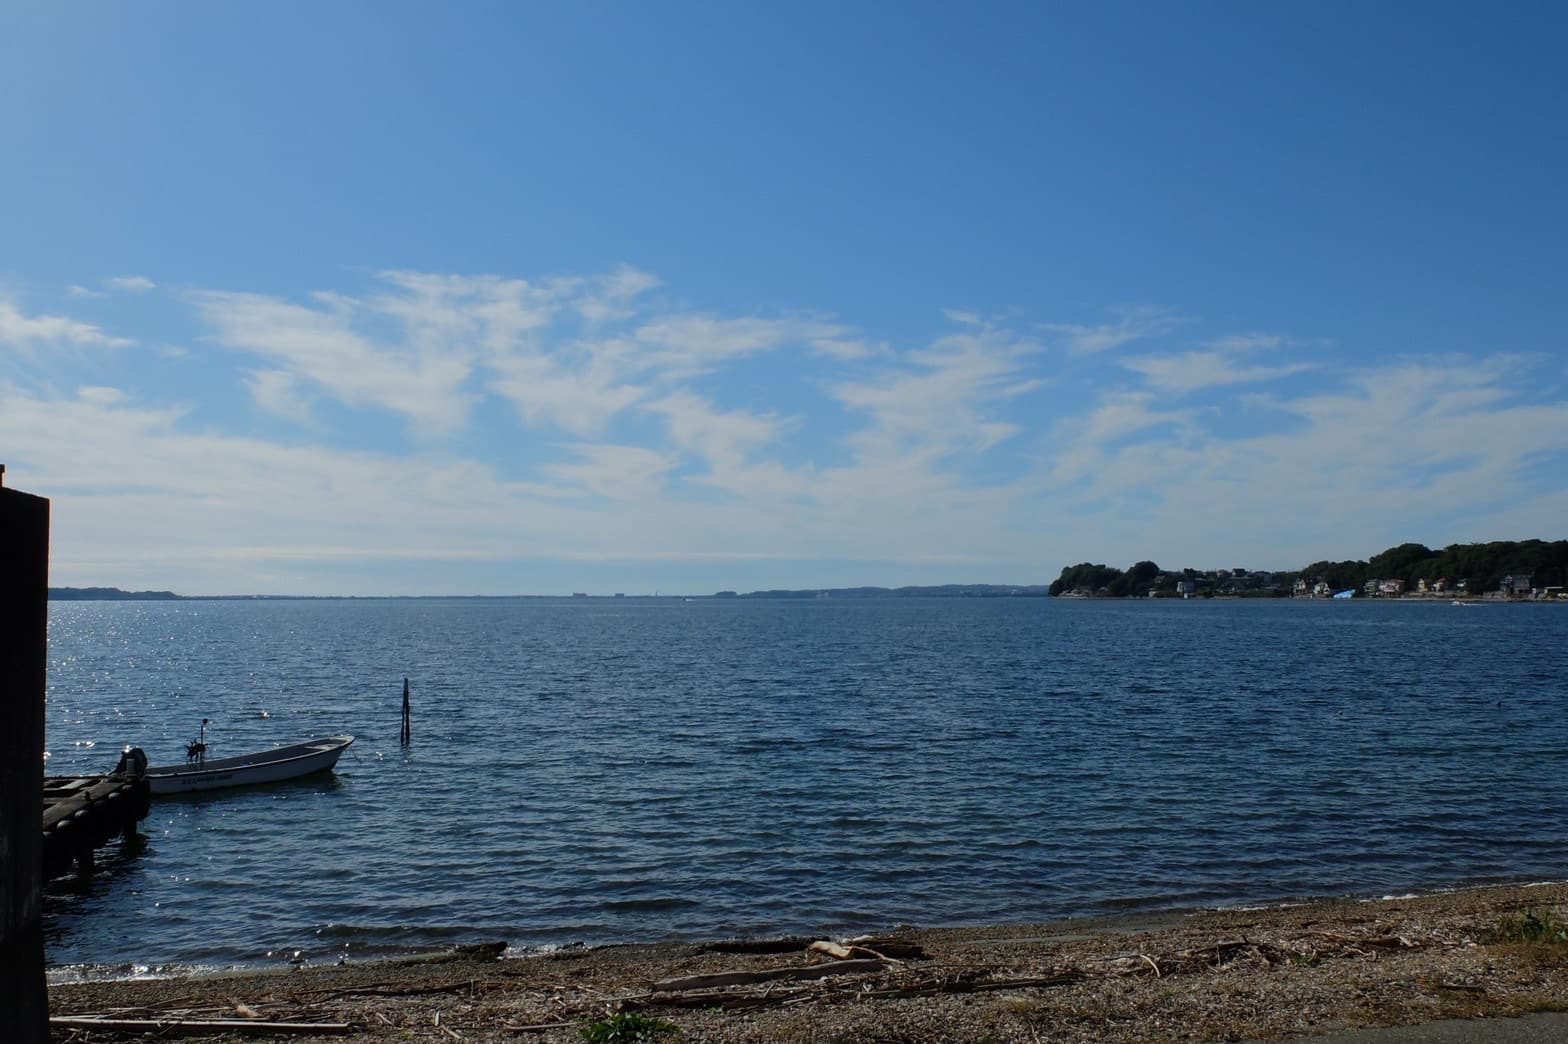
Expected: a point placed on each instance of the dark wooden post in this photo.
(24, 621)
(407, 736)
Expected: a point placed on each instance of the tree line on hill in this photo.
(106, 594)
(1483, 566)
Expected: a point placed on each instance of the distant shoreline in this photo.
(108, 594)
(961, 591)
(115, 594)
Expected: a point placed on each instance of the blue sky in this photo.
(537, 298)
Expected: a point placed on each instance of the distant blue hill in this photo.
(115, 594)
(941, 591)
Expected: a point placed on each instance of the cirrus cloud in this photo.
(487, 433)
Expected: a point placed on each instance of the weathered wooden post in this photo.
(24, 622)
(407, 735)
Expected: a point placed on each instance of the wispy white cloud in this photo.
(460, 313)
(1120, 415)
(1391, 453)
(581, 383)
(577, 392)
(321, 346)
(686, 345)
(615, 472)
(571, 353)
(1085, 447)
(582, 419)
(611, 298)
(1246, 342)
(139, 494)
(277, 392)
(18, 330)
(937, 400)
(1192, 371)
(724, 440)
(134, 284)
(77, 290)
(100, 395)
(847, 349)
(1136, 324)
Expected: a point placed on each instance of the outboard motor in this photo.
(196, 749)
(133, 763)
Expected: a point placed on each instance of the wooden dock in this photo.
(84, 813)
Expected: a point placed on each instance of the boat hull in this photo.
(271, 766)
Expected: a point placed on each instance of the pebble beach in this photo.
(1277, 973)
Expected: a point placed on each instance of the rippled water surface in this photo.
(597, 770)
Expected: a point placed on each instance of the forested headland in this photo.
(1471, 568)
(106, 594)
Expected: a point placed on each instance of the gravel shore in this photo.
(1261, 974)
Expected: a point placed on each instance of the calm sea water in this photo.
(597, 770)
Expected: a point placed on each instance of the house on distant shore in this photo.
(1391, 588)
(1516, 586)
(1317, 587)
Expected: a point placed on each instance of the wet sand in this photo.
(1262, 974)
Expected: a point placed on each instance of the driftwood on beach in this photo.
(876, 947)
(738, 978)
(198, 1027)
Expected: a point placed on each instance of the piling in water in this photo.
(84, 813)
(407, 736)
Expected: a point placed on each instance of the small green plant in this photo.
(1528, 927)
(623, 1026)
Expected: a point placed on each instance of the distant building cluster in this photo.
(1247, 583)
(1513, 588)
(1235, 583)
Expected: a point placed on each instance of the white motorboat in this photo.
(268, 766)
